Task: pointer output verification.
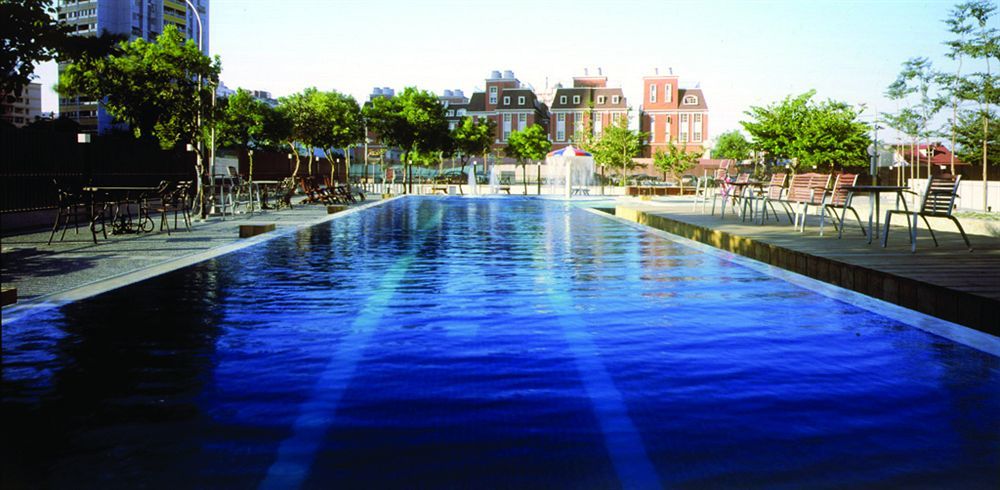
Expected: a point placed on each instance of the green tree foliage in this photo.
(731, 145)
(617, 146)
(969, 136)
(918, 78)
(30, 35)
(527, 145)
(677, 160)
(241, 123)
(289, 123)
(152, 86)
(473, 137)
(813, 134)
(413, 121)
(328, 121)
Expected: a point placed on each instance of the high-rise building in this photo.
(135, 19)
(23, 108)
(588, 105)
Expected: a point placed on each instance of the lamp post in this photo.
(200, 164)
(538, 177)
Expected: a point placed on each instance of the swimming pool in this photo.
(450, 342)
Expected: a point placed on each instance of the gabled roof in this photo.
(681, 93)
(941, 155)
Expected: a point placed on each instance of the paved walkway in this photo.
(946, 281)
(39, 270)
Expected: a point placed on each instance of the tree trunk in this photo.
(295, 152)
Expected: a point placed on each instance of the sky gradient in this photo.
(742, 53)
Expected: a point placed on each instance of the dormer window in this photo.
(615, 99)
(520, 100)
(576, 99)
(601, 99)
(562, 99)
(690, 100)
(506, 100)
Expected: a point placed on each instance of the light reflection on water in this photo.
(729, 377)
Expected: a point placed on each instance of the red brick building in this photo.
(589, 105)
(670, 113)
(512, 106)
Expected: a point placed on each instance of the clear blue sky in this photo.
(741, 52)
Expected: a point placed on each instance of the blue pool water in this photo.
(513, 343)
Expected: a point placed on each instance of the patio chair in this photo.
(728, 191)
(705, 188)
(938, 201)
(773, 191)
(71, 205)
(837, 198)
(804, 191)
(285, 191)
(175, 200)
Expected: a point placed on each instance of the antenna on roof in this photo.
(656, 70)
(671, 70)
(599, 71)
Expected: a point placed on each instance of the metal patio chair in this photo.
(938, 201)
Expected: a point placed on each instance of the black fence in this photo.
(31, 159)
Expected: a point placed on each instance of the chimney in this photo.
(656, 70)
(671, 70)
(586, 71)
(599, 71)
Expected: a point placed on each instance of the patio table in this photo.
(121, 223)
(874, 195)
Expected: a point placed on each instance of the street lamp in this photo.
(198, 121)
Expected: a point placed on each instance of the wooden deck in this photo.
(947, 281)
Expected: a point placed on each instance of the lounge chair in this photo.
(937, 201)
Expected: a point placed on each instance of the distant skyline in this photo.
(741, 53)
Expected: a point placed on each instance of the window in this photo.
(451, 126)
(615, 99)
(560, 135)
(562, 99)
(451, 113)
(697, 127)
(576, 99)
(652, 128)
(522, 121)
(493, 95)
(461, 112)
(506, 135)
(561, 117)
(520, 100)
(506, 101)
(683, 138)
(690, 100)
(506, 118)
(652, 93)
(601, 99)
(668, 92)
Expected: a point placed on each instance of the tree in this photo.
(617, 146)
(811, 134)
(473, 137)
(31, 34)
(731, 145)
(413, 121)
(969, 136)
(917, 77)
(676, 160)
(241, 123)
(292, 114)
(158, 88)
(529, 144)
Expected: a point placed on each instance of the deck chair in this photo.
(938, 201)
(837, 199)
(728, 191)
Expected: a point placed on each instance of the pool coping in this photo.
(20, 311)
(967, 336)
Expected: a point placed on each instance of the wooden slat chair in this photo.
(804, 191)
(773, 191)
(938, 201)
(837, 198)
